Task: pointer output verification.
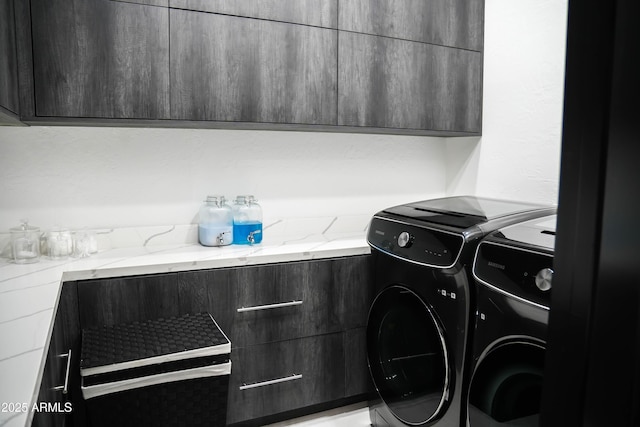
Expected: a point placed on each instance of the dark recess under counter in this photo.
(322, 339)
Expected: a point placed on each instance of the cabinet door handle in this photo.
(270, 382)
(65, 388)
(269, 306)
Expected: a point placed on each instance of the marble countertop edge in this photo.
(120, 268)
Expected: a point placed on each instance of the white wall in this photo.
(518, 156)
(118, 177)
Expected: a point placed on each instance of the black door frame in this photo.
(592, 373)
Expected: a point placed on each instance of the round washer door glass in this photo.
(407, 356)
(506, 387)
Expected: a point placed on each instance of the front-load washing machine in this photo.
(418, 326)
(513, 270)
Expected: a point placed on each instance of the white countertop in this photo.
(29, 293)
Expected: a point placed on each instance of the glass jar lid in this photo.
(245, 199)
(218, 200)
(24, 227)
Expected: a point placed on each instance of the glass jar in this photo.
(216, 222)
(84, 243)
(247, 221)
(25, 243)
(59, 243)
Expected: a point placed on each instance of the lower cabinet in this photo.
(60, 394)
(297, 331)
(277, 377)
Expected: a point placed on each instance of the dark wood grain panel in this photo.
(319, 13)
(401, 84)
(108, 302)
(8, 59)
(65, 336)
(309, 282)
(455, 23)
(24, 45)
(53, 376)
(358, 379)
(100, 59)
(335, 295)
(211, 291)
(222, 291)
(160, 3)
(319, 359)
(354, 289)
(227, 68)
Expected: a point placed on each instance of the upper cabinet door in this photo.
(399, 84)
(100, 59)
(319, 13)
(454, 23)
(227, 68)
(8, 60)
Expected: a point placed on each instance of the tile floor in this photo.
(349, 416)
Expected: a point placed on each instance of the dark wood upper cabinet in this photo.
(9, 101)
(317, 13)
(454, 23)
(226, 68)
(100, 59)
(408, 66)
(390, 83)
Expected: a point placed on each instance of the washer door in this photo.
(407, 356)
(507, 386)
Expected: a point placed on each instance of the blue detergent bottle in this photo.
(247, 221)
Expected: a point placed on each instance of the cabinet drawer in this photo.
(260, 304)
(277, 377)
(285, 301)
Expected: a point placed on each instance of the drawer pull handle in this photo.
(65, 388)
(270, 382)
(269, 306)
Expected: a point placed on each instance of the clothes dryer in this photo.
(418, 326)
(513, 270)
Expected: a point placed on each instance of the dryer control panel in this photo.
(521, 273)
(422, 245)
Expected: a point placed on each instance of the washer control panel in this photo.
(525, 274)
(435, 248)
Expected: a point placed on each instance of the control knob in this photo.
(405, 240)
(544, 278)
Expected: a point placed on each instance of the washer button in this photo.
(405, 240)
